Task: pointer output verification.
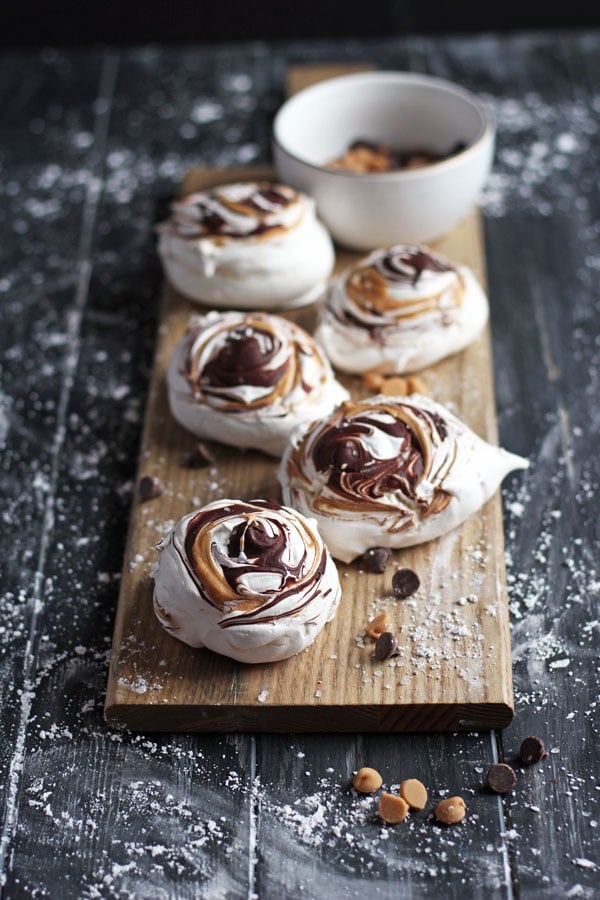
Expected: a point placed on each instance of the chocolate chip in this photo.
(200, 457)
(458, 148)
(532, 750)
(149, 488)
(362, 144)
(386, 646)
(405, 582)
(501, 778)
(376, 559)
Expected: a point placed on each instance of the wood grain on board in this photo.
(455, 669)
(300, 77)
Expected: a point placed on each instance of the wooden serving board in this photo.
(454, 672)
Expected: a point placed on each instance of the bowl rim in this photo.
(486, 132)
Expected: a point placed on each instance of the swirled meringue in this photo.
(247, 245)
(248, 379)
(390, 472)
(251, 580)
(399, 310)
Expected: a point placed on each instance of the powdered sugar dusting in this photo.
(533, 154)
(140, 815)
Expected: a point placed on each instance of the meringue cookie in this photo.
(399, 310)
(247, 245)
(252, 581)
(390, 472)
(249, 379)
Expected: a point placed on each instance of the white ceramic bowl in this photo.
(406, 112)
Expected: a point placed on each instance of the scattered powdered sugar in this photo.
(552, 568)
(209, 814)
(206, 110)
(329, 815)
(559, 663)
(5, 405)
(306, 818)
(139, 684)
(585, 863)
(180, 817)
(533, 156)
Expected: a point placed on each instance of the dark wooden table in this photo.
(93, 146)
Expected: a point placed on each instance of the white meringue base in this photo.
(355, 350)
(262, 429)
(286, 270)
(197, 622)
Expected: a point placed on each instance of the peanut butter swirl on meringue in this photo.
(250, 556)
(252, 580)
(389, 472)
(231, 211)
(248, 379)
(404, 282)
(400, 309)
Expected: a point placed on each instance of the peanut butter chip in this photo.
(414, 792)
(378, 625)
(394, 386)
(419, 160)
(373, 380)
(416, 385)
(364, 157)
(450, 811)
(392, 808)
(367, 780)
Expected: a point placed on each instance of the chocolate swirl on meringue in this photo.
(390, 472)
(409, 263)
(240, 362)
(247, 245)
(350, 467)
(375, 456)
(255, 562)
(234, 211)
(248, 379)
(247, 357)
